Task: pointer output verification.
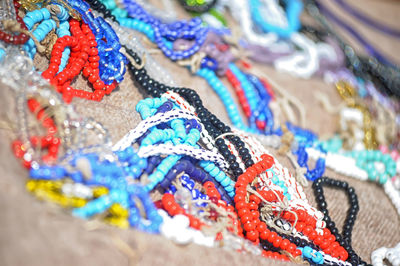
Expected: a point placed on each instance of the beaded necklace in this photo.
(108, 182)
(345, 237)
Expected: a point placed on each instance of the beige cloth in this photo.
(37, 233)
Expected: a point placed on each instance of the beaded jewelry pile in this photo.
(181, 172)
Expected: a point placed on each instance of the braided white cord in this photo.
(191, 151)
(205, 137)
(146, 124)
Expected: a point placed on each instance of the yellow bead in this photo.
(31, 185)
(119, 211)
(78, 202)
(119, 222)
(99, 191)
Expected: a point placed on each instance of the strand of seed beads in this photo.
(84, 58)
(112, 62)
(255, 229)
(49, 141)
(192, 30)
(213, 125)
(345, 238)
(6, 37)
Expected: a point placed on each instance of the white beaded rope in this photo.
(197, 153)
(146, 124)
(208, 142)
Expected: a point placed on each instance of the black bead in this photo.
(248, 163)
(231, 159)
(235, 165)
(237, 172)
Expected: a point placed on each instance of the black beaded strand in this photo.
(344, 239)
(212, 124)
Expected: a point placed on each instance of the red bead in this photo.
(272, 236)
(93, 78)
(255, 214)
(300, 226)
(260, 124)
(98, 85)
(343, 255)
(277, 242)
(94, 58)
(308, 230)
(324, 244)
(331, 238)
(241, 205)
(214, 200)
(318, 240)
(87, 71)
(244, 211)
(265, 234)
(252, 206)
(93, 52)
(94, 65)
(296, 253)
(249, 226)
(195, 223)
(285, 244)
(261, 227)
(312, 235)
(292, 247)
(252, 235)
(254, 198)
(246, 218)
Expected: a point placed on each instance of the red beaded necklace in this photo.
(84, 57)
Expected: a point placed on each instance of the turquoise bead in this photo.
(383, 178)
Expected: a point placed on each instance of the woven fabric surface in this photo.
(37, 233)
